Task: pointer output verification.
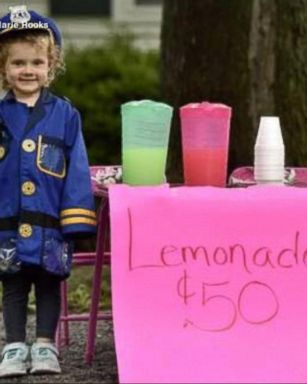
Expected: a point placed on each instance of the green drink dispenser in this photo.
(145, 137)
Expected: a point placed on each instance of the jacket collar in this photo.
(45, 97)
(38, 113)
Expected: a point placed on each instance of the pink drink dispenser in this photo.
(205, 129)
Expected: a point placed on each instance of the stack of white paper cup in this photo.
(269, 160)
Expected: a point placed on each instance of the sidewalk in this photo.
(103, 369)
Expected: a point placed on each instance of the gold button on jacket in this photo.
(2, 152)
(28, 145)
(28, 188)
(25, 230)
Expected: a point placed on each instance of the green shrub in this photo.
(98, 80)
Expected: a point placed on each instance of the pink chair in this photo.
(244, 177)
(101, 176)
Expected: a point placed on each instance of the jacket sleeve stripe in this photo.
(78, 212)
(78, 220)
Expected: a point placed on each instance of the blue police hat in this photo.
(22, 19)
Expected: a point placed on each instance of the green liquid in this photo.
(145, 166)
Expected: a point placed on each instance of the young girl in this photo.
(45, 193)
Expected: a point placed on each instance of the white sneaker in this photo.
(44, 358)
(15, 360)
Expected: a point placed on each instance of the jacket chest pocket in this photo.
(51, 156)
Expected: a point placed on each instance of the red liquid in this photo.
(205, 166)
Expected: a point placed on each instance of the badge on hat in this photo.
(19, 14)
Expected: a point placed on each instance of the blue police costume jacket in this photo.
(45, 187)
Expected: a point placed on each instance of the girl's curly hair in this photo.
(36, 37)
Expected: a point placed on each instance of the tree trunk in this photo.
(248, 54)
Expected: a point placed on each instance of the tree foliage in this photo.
(98, 80)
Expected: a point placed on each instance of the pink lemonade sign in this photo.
(209, 284)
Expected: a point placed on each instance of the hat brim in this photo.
(12, 29)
